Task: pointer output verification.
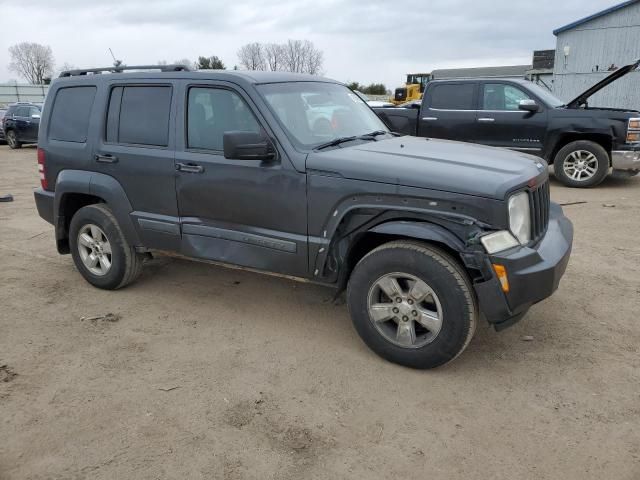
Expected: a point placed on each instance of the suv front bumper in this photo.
(534, 273)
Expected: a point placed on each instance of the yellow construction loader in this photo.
(413, 89)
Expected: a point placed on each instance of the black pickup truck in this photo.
(583, 143)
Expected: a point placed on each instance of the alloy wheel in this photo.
(580, 165)
(405, 310)
(94, 249)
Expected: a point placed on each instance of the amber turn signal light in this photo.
(501, 272)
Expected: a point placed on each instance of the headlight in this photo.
(520, 217)
(498, 241)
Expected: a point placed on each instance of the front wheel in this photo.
(581, 164)
(412, 304)
(99, 249)
(12, 140)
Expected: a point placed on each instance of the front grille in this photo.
(540, 199)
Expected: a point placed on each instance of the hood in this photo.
(433, 164)
(619, 73)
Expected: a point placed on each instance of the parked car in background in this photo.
(373, 103)
(21, 124)
(581, 142)
(227, 166)
(2, 113)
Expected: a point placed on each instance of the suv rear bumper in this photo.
(534, 273)
(44, 204)
(626, 159)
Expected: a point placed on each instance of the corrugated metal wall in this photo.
(11, 93)
(611, 39)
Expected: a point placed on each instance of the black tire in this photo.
(563, 157)
(12, 140)
(445, 277)
(126, 263)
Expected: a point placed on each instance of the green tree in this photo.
(210, 63)
(354, 86)
(375, 89)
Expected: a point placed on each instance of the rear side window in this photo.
(139, 115)
(69, 121)
(453, 96)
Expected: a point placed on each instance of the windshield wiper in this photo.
(335, 142)
(374, 134)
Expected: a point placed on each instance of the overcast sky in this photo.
(365, 41)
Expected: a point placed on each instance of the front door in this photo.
(500, 123)
(244, 212)
(32, 124)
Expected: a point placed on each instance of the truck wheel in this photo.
(12, 140)
(581, 164)
(412, 304)
(99, 249)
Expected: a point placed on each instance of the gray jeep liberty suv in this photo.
(296, 175)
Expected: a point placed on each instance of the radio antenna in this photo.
(116, 63)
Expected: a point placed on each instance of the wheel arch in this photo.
(76, 189)
(603, 139)
(419, 231)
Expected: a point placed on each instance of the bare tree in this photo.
(301, 56)
(32, 61)
(274, 55)
(251, 56)
(66, 66)
(313, 59)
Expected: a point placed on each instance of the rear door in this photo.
(245, 212)
(22, 121)
(448, 111)
(137, 148)
(500, 123)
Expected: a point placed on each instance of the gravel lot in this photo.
(206, 372)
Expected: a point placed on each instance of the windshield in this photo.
(313, 113)
(546, 96)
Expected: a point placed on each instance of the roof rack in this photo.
(120, 69)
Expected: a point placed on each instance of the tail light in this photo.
(42, 169)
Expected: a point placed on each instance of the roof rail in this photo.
(122, 68)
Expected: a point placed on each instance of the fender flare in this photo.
(420, 231)
(98, 185)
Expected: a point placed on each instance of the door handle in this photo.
(106, 158)
(429, 119)
(486, 119)
(189, 168)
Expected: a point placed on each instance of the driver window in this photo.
(213, 111)
(499, 96)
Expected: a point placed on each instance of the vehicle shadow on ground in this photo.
(283, 306)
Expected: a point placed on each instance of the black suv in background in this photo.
(3, 111)
(21, 123)
(235, 167)
(583, 143)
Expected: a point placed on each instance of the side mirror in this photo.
(529, 106)
(247, 146)
(35, 116)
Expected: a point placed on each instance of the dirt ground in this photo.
(207, 372)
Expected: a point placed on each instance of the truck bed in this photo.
(400, 120)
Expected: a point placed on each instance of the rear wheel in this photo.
(581, 164)
(99, 249)
(412, 304)
(12, 140)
